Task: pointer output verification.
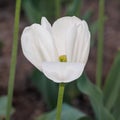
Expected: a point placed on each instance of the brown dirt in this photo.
(27, 100)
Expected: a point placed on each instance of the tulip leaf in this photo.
(116, 108)
(68, 113)
(48, 88)
(96, 98)
(65, 2)
(112, 85)
(75, 8)
(35, 9)
(32, 14)
(87, 15)
(3, 106)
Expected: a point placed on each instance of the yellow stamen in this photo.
(63, 58)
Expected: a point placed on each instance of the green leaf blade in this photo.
(68, 113)
(3, 106)
(112, 85)
(96, 98)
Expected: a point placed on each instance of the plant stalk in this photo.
(100, 43)
(13, 58)
(60, 100)
(58, 8)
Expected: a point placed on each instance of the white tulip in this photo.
(44, 45)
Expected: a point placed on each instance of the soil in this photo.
(27, 101)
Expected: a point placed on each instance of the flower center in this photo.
(63, 58)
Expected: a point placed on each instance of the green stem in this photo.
(60, 100)
(58, 8)
(100, 43)
(13, 58)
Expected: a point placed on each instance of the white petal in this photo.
(61, 72)
(46, 24)
(82, 43)
(37, 45)
(84, 55)
(70, 42)
(60, 29)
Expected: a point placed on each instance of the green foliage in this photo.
(101, 21)
(116, 108)
(3, 106)
(13, 58)
(112, 87)
(35, 9)
(96, 98)
(49, 89)
(66, 1)
(68, 113)
(75, 8)
(87, 15)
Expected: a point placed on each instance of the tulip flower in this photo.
(60, 51)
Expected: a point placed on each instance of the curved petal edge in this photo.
(61, 72)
